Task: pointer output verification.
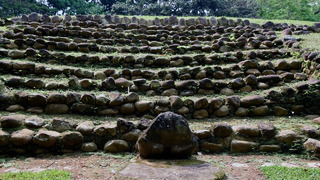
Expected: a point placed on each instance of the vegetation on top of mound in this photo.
(278, 172)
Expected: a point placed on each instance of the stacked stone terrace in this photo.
(118, 66)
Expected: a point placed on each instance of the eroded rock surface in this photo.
(168, 136)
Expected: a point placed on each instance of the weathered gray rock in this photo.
(143, 106)
(222, 130)
(144, 124)
(168, 136)
(310, 131)
(15, 108)
(243, 146)
(72, 138)
(176, 102)
(16, 54)
(127, 108)
(132, 136)
(211, 147)
(201, 103)
(37, 100)
(222, 111)
(116, 99)
(45, 18)
(12, 121)
(241, 112)
(85, 128)
(213, 21)
(312, 145)
(132, 97)
(61, 125)
(252, 101)
(89, 147)
(200, 114)
(267, 130)
(287, 136)
(4, 138)
(115, 146)
(216, 103)
(316, 120)
(56, 98)
(280, 111)
(122, 83)
(105, 129)
(124, 126)
(260, 111)
(250, 131)
(46, 138)
(202, 134)
(22, 137)
(34, 17)
(56, 109)
(270, 148)
(56, 19)
(34, 122)
(101, 100)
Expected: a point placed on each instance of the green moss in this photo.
(221, 175)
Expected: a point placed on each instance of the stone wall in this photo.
(96, 20)
(30, 135)
(303, 99)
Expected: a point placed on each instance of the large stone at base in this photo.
(187, 171)
(168, 136)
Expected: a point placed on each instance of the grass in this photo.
(3, 28)
(142, 96)
(286, 122)
(44, 175)
(310, 41)
(293, 123)
(278, 172)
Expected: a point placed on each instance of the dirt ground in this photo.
(101, 165)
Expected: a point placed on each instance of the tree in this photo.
(73, 7)
(165, 7)
(109, 3)
(238, 8)
(287, 9)
(9, 8)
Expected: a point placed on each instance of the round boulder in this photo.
(143, 106)
(46, 138)
(34, 122)
(115, 146)
(72, 138)
(22, 137)
(168, 136)
(12, 121)
(89, 147)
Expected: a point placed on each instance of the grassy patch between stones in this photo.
(278, 172)
(48, 174)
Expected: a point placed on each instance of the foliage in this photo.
(287, 9)
(19, 7)
(239, 8)
(278, 172)
(270, 9)
(48, 174)
(73, 7)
